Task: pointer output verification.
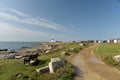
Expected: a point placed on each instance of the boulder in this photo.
(32, 61)
(19, 75)
(117, 58)
(18, 56)
(2, 56)
(51, 67)
(47, 51)
(11, 56)
(71, 49)
(81, 44)
(11, 51)
(63, 53)
(42, 70)
(55, 63)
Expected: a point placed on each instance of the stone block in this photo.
(42, 70)
(18, 57)
(55, 63)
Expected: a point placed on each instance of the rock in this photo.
(26, 48)
(63, 53)
(11, 56)
(55, 63)
(2, 56)
(32, 61)
(42, 70)
(81, 44)
(19, 75)
(51, 69)
(3, 49)
(71, 49)
(11, 51)
(47, 51)
(117, 58)
(18, 56)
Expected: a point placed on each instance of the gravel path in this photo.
(88, 67)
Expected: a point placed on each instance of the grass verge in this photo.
(106, 52)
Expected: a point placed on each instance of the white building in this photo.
(52, 39)
(115, 40)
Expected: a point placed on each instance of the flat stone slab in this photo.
(42, 70)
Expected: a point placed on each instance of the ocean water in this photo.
(15, 45)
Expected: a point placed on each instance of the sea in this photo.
(15, 45)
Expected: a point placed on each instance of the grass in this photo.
(10, 68)
(65, 73)
(106, 51)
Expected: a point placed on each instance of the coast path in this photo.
(88, 67)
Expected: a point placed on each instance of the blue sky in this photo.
(38, 20)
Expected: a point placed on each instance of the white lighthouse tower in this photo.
(52, 39)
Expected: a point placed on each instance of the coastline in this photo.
(15, 45)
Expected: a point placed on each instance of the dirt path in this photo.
(88, 67)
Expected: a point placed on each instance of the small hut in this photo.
(113, 40)
(118, 40)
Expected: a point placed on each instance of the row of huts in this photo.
(116, 40)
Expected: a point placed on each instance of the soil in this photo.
(88, 67)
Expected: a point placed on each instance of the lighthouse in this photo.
(52, 39)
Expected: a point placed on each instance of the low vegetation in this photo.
(14, 69)
(106, 52)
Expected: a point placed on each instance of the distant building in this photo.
(98, 41)
(105, 41)
(52, 39)
(113, 40)
(108, 41)
(118, 40)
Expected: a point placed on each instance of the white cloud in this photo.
(10, 32)
(19, 13)
(18, 16)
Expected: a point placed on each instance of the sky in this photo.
(65, 20)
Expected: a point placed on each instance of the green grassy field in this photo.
(10, 68)
(106, 51)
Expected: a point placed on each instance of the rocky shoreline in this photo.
(40, 48)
